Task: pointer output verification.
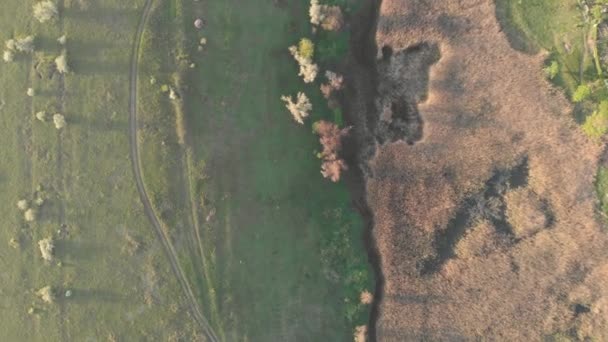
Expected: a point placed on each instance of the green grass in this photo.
(86, 173)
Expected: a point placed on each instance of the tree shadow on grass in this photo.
(516, 37)
(100, 15)
(71, 250)
(99, 123)
(81, 295)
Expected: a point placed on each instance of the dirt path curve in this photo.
(137, 169)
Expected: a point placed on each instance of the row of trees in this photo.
(329, 18)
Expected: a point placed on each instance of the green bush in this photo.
(306, 48)
(552, 70)
(596, 124)
(581, 93)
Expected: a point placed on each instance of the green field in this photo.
(84, 172)
(282, 251)
(271, 250)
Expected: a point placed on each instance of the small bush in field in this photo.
(45, 11)
(8, 56)
(59, 121)
(22, 204)
(46, 294)
(581, 93)
(30, 92)
(61, 63)
(46, 247)
(30, 215)
(25, 44)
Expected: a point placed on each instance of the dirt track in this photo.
(463, 129)
(137, 170)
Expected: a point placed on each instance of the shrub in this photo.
(333, 19)
(332, 46)
(22, 204)
(46, 294)
(581, 93)
(41, 116)
(30, 92)
(366, 297)
(8, 56)
(335, 82)
(330, 137)
(299, 109)
(62, 40)
(45, 11)
(306, 48)
(308, 70)
(25, 44)
(360, 333)
(11, 44)
(552, 70)
(30, 215)
(46, 247)
(596, 124)
(316, 12)
(59, 121)
(61, 63)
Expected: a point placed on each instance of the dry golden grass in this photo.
(487, 107)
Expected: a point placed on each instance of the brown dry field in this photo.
(530, 262)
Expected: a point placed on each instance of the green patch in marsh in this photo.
(554, 26)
